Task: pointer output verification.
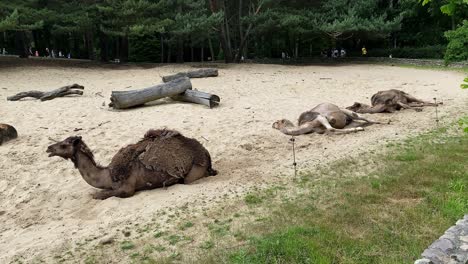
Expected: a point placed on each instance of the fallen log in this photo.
(201, 73)
(44, 96)
(193, 96)
(127, 99)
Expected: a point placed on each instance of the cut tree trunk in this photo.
(44, 96)
(201, 73)
(127, 99)
(198, 97)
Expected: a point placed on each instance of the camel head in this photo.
(66, 148)
(356, 107)
(282, 124)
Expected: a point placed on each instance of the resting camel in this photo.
(161, 158)
(390, 101)
(7, 132)
(322, 118)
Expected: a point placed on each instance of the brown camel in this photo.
(323, 118)
(7, 132)
(161, 158)
(390, 101)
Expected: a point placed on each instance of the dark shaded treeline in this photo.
(198, 30)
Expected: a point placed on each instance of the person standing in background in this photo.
(364, 51)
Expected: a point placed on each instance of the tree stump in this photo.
(127, 99)
(201, 73)
(44, 96)
(7, 132)
(193, 96)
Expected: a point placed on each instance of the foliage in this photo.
(457, 48)
(144, 48)
(151, 30)
(465, 84)
(10, 22)
(428, 52)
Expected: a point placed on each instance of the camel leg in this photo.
(356, 116)
(412, 99)
(329, 128)
(302, 129)
(126, 189)
(197, 172)
(403, 105)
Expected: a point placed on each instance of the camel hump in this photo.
(174, 155)
(325, 107)
(7, 132)
(388, 97)
(160, 133)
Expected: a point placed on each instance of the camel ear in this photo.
(76, 140)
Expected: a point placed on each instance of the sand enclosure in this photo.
(45, 203)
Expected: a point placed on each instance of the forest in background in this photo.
(200, 30)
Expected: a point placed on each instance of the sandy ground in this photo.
(44, 202)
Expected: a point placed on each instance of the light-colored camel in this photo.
(322, 118)
(390, 101)
(7, 133)
(161, 158)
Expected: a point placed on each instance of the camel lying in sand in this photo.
(161, 158)
(390, 101)
(323, 118)
(7, 132)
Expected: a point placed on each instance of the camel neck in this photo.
(93, 174)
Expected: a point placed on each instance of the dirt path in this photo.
(44, 203)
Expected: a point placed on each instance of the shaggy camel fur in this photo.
(7, 133)
(322, 118)
(390, 101)
(160, 159)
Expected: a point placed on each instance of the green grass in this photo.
(252, 199)
(126, 245)
(416, 192)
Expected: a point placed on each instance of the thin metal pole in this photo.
(437, 111)
(293, 140)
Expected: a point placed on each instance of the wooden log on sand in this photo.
(44, 96)
(192, 96)
(127, 99)
(201, 73)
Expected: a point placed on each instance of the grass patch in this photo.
(414, 193)
(126, 245)
(252, 199)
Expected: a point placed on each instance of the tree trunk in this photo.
(202, 51)
(180, 50)
(37, 44)
(76, 47)
(296, 49)
(21, 48)
(162, 48)
(103, 42)
(201, 73)
(123, 49)
(211, 49)
(127, 99)
(90, 45)
(223, 33)
(192, 58)
(198, 97)
(169, 53)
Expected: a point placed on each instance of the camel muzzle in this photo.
(50, 151)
